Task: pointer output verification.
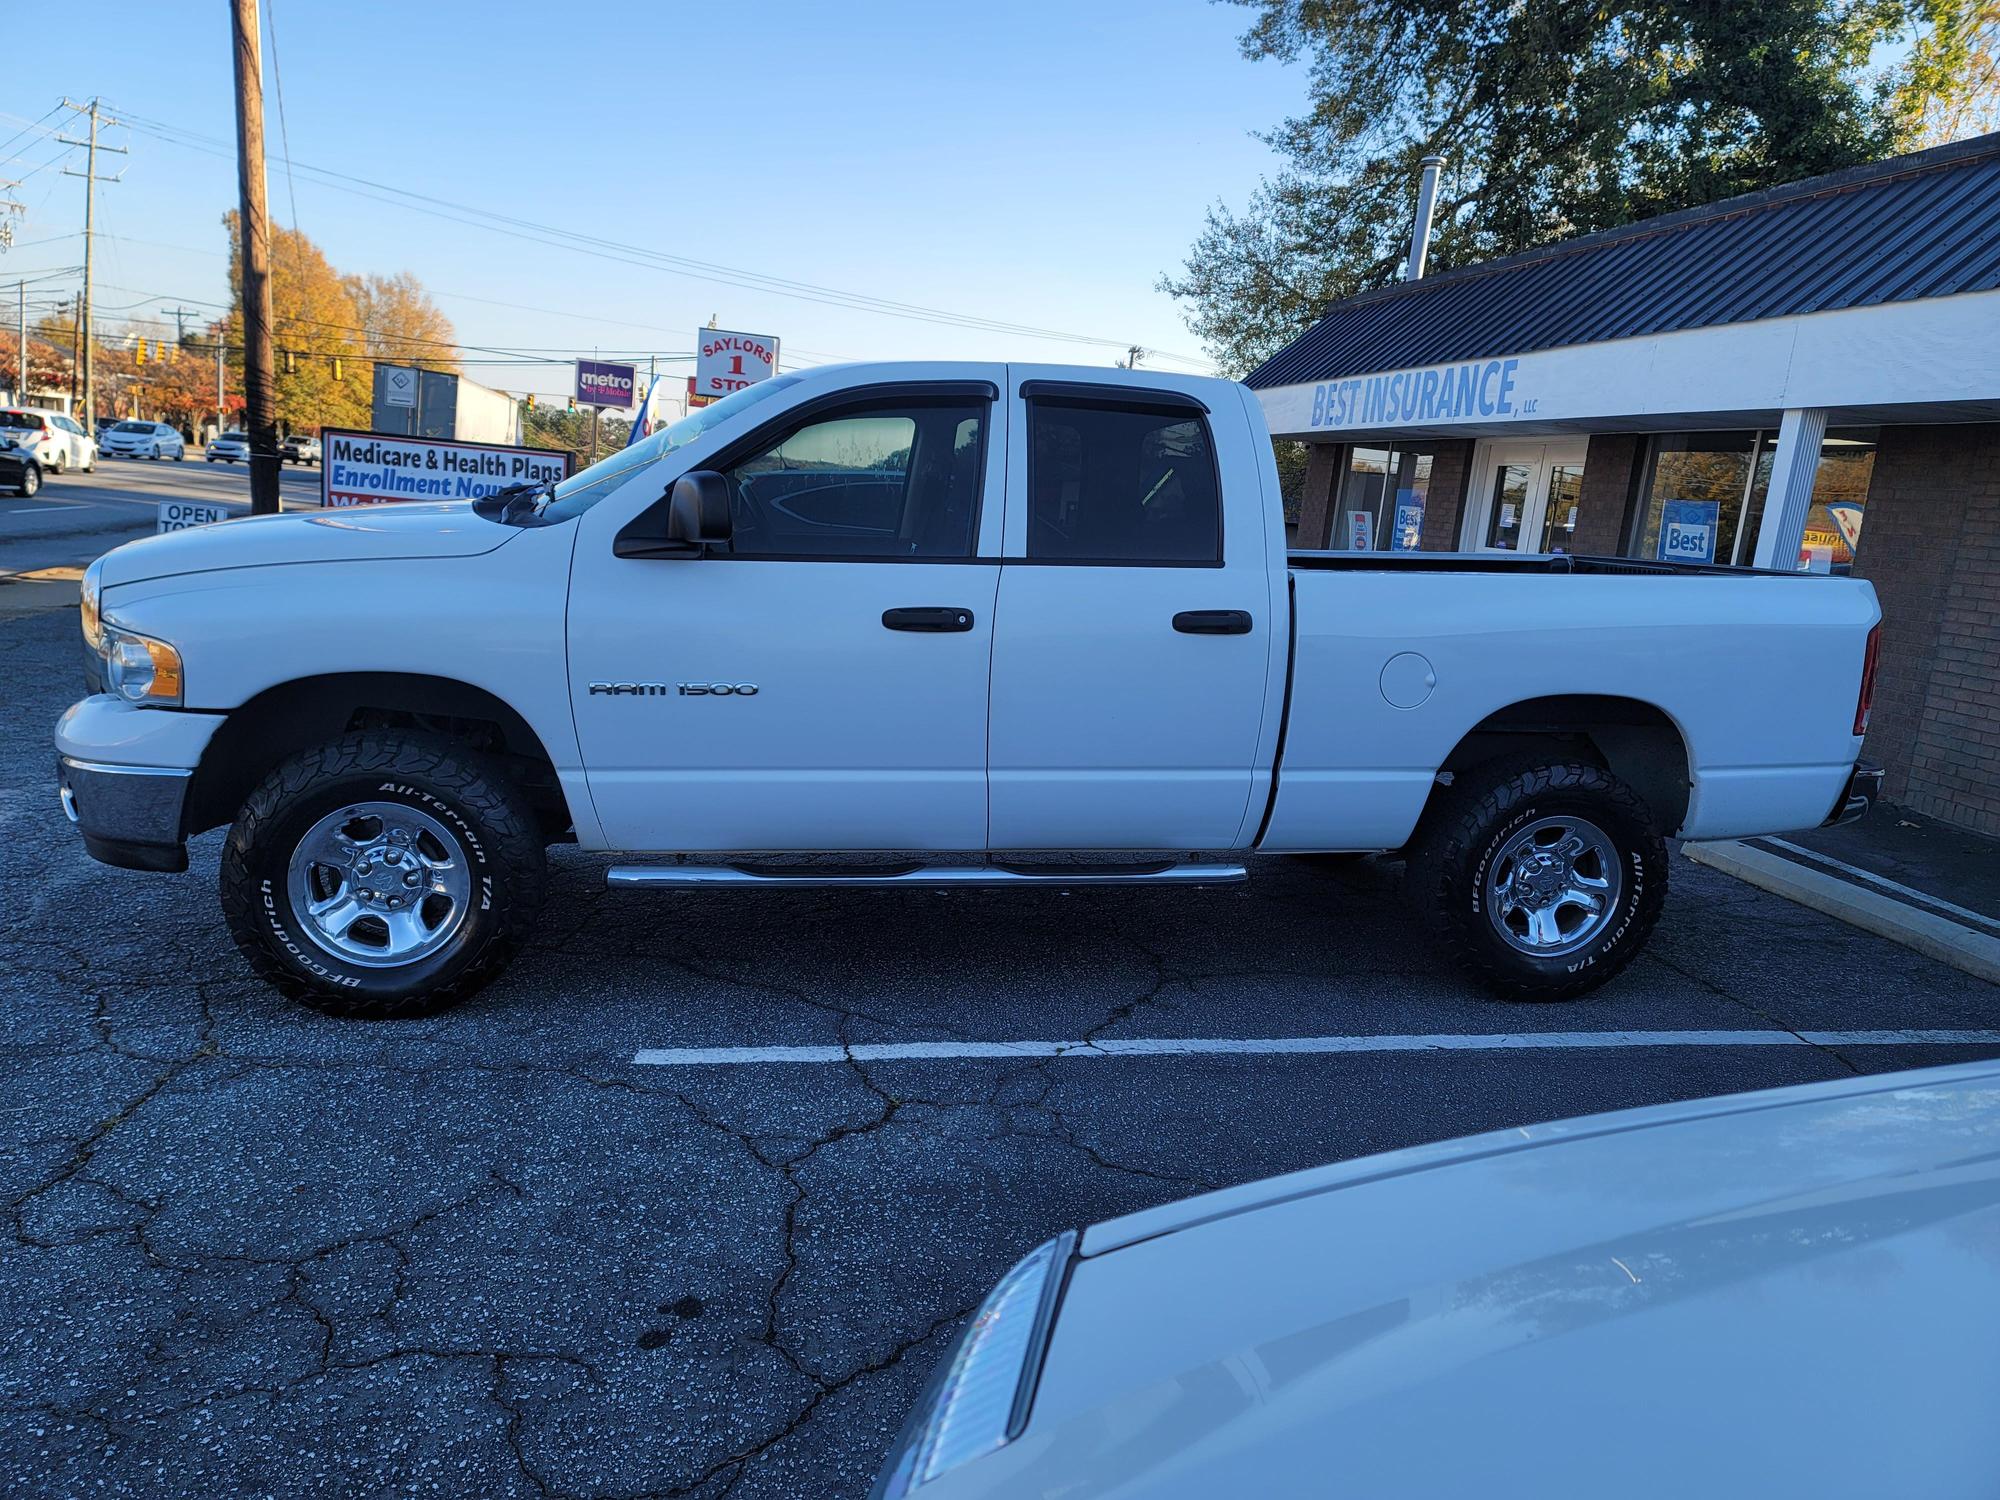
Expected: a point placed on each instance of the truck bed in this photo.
(1399, 658)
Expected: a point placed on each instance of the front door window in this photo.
(1511, 485)
(1531, 499)
(1559, 512)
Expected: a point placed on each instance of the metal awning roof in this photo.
(1913, 227)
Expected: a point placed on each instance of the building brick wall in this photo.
(1608, 474)
(1444, 503)
(1323, 466)
(1930, 543)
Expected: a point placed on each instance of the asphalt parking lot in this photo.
(256, 1251)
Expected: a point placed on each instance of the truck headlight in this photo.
(138, 668)
(93, 621)
(979, 1400)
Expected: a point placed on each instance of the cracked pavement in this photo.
(257, 1251)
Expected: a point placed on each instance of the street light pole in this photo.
(259, 395)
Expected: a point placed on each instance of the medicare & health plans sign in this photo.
(374, 468)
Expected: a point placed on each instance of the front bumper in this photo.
(1863, 787)
(124, 774)
(129, 816)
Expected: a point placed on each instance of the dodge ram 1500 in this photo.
(966, 613)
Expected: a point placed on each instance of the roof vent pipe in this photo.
(1420, 236)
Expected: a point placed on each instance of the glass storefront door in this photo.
(1528, 495)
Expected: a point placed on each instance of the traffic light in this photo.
(531, 401)
(572, 405)
(140, 357)
(337, 372)
(291, 363)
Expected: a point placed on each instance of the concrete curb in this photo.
(1929, 934)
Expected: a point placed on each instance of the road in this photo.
(255, 1250)
(77, 516)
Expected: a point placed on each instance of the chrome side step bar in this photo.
(807, 877)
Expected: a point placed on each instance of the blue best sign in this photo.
(1687, 530)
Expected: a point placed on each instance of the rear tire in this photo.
(1546, 879)
(342, 832)
(31, 480)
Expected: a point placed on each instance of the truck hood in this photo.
(1791, 1292)
(407, 529)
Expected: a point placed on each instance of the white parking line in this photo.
(1515, 1041)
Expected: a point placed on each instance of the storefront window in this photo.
(1704, 498)
(1382, 499)
(1839, 500)
(1701, 489)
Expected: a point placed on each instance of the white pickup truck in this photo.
(968, 614)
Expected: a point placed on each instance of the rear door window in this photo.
(1112, 483)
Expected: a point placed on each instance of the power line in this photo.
(284, 130)
(644, 256)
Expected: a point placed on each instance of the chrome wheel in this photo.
(1554, 886)
(379, 884)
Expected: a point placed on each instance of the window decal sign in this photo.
(1409, 521)
(1361, 530)
(1687, 530)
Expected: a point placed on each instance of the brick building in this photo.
(1807, 377)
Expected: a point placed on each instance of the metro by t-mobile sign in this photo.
(726, 362)
(601, 384)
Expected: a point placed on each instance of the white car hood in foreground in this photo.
(407, 529)
(1786, 1293)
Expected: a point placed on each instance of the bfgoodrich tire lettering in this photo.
(492, 824)
(1490, 807)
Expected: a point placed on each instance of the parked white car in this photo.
(229, 447)
(1783, 1293)
(968, 610)
(58, 443)
(143, 440)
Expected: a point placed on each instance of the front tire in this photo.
(385, 874)
(1546, 879)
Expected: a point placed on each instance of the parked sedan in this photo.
(1784, 1293)
(58, 442)
(229, 447)
(144, 440)
(20, 470)
(299, 448)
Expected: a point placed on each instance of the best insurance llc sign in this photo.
(726, 362)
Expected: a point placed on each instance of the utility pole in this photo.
(89, 176)
(21, 364)
(180, 315)
(259, 395)
(220, 415)
(1132, 357)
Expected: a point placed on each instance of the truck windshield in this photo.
(580, 491)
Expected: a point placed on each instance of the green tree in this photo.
(1555, 118)
(553, 427)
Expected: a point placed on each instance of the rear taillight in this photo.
(1867, 699)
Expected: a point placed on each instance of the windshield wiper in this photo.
(516, 503)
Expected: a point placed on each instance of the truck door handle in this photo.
(931, 619)
(1213, 622)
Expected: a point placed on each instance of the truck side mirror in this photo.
(698, 509)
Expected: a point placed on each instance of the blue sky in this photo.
(1037, 164)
